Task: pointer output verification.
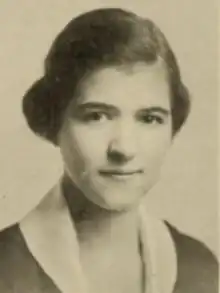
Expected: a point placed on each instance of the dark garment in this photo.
(197, 266)
(20, 272)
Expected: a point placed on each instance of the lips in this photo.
(117, 173)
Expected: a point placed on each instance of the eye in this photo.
(152, 119)
(95, 116)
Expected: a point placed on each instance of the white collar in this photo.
(51, 238)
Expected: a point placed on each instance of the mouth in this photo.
(120, 174)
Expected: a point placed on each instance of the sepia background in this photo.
(187, 192)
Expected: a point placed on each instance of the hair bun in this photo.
(34, 103)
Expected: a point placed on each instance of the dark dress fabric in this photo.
(20, 272)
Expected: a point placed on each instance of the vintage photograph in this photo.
(109, 147)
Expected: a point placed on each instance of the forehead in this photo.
(140, 85)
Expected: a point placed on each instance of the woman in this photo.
(112, 100)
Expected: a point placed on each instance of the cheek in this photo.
(155, 148)
(82, 148)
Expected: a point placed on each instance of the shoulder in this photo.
(11, 258)
(9, 238)
(16, 263)
(12, 248)
(15, 258)
(197, 265)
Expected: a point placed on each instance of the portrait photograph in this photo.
(109, 149)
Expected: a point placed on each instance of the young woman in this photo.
(112, 100)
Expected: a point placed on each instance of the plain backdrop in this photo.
(187, 192)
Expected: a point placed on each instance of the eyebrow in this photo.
(108, 107)
(95, 105)
(161, 110)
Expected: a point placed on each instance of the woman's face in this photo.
(114, 137)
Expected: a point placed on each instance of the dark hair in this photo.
(93, 40)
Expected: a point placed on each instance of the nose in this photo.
(122, 146)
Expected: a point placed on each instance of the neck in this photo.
(95, 223)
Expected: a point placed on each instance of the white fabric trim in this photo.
(51, 238)
(159, 253)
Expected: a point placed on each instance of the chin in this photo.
(117, 204)
(115, 198)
